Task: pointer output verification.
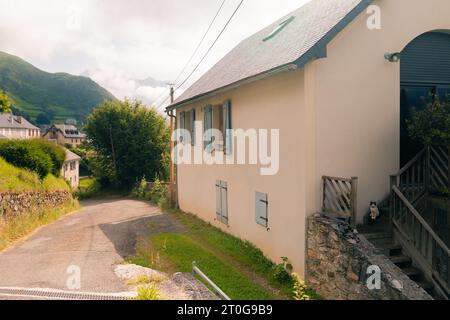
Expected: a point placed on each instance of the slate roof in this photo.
(71, 156)
(305, 38)
(8, 120)
(69, 131)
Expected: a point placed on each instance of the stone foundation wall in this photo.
(338, 262)
(16, 204)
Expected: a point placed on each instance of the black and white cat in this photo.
(374, 212)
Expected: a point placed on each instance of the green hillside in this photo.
(56, 96)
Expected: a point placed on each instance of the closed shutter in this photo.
(224, 197)
(219, 200)
(182, 126)
(261, 206)
(427, 60)
(222, 201)
(193, 127)
(207, 125)
(228, 136)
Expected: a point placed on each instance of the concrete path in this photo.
(92, 241)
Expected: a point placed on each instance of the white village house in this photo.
(17, 127)
(71, 169)
(338, 79)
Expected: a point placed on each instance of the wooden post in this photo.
(428, 170)
(393, 182)
(354, 204)
(173, 184)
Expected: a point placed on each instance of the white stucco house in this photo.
(71, 169)
(338, 79)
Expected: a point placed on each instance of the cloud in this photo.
(121, 41)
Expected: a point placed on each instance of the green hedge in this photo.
(37, 155)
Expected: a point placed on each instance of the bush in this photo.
(159, 193)
(302, 291)
(431, 126)
(282, 272)
(140, 191)
(37, 155)
(25, 155)
(88, 188)
(56, 153)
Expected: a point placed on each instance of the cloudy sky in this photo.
(118, 42)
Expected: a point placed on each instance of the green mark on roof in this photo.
(278, 29)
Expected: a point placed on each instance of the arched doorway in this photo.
(424, 75)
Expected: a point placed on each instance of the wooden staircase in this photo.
(379, 235)
(404, 232)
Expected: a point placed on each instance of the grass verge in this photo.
(21, 226)
(239, 268)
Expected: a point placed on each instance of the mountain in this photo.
(44, 96)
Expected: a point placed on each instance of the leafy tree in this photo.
(5, 103)
(130, 142)
(431, 126)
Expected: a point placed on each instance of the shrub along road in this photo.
(93, 239)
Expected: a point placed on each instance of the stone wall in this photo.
(16, 204)
(338, 260)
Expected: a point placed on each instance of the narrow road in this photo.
(91, 240)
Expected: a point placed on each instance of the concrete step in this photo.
(401, 261)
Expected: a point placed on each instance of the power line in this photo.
(193, 54)
(212, 46)
(206, 54)
(201, 42)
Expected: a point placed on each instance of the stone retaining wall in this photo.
(338, 262)
(15, 204)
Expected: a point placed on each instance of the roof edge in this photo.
(319, 50)
(260, 76)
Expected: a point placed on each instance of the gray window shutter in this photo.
(193, 127)
(224, 197)
(261, 205)
(207, 125)
(228, 137)
(182, 125)
(219, 200)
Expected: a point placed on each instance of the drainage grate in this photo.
(63, 295)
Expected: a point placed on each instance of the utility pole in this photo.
(172, 146)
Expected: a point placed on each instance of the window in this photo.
(72, 165)
(218, 117)
(261, 209)
(279, 28)
(222, 201)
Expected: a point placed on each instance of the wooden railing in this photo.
(439, 164)
(339, 197)
(428, 249)
(412, 179)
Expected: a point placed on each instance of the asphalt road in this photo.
(91, 241)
